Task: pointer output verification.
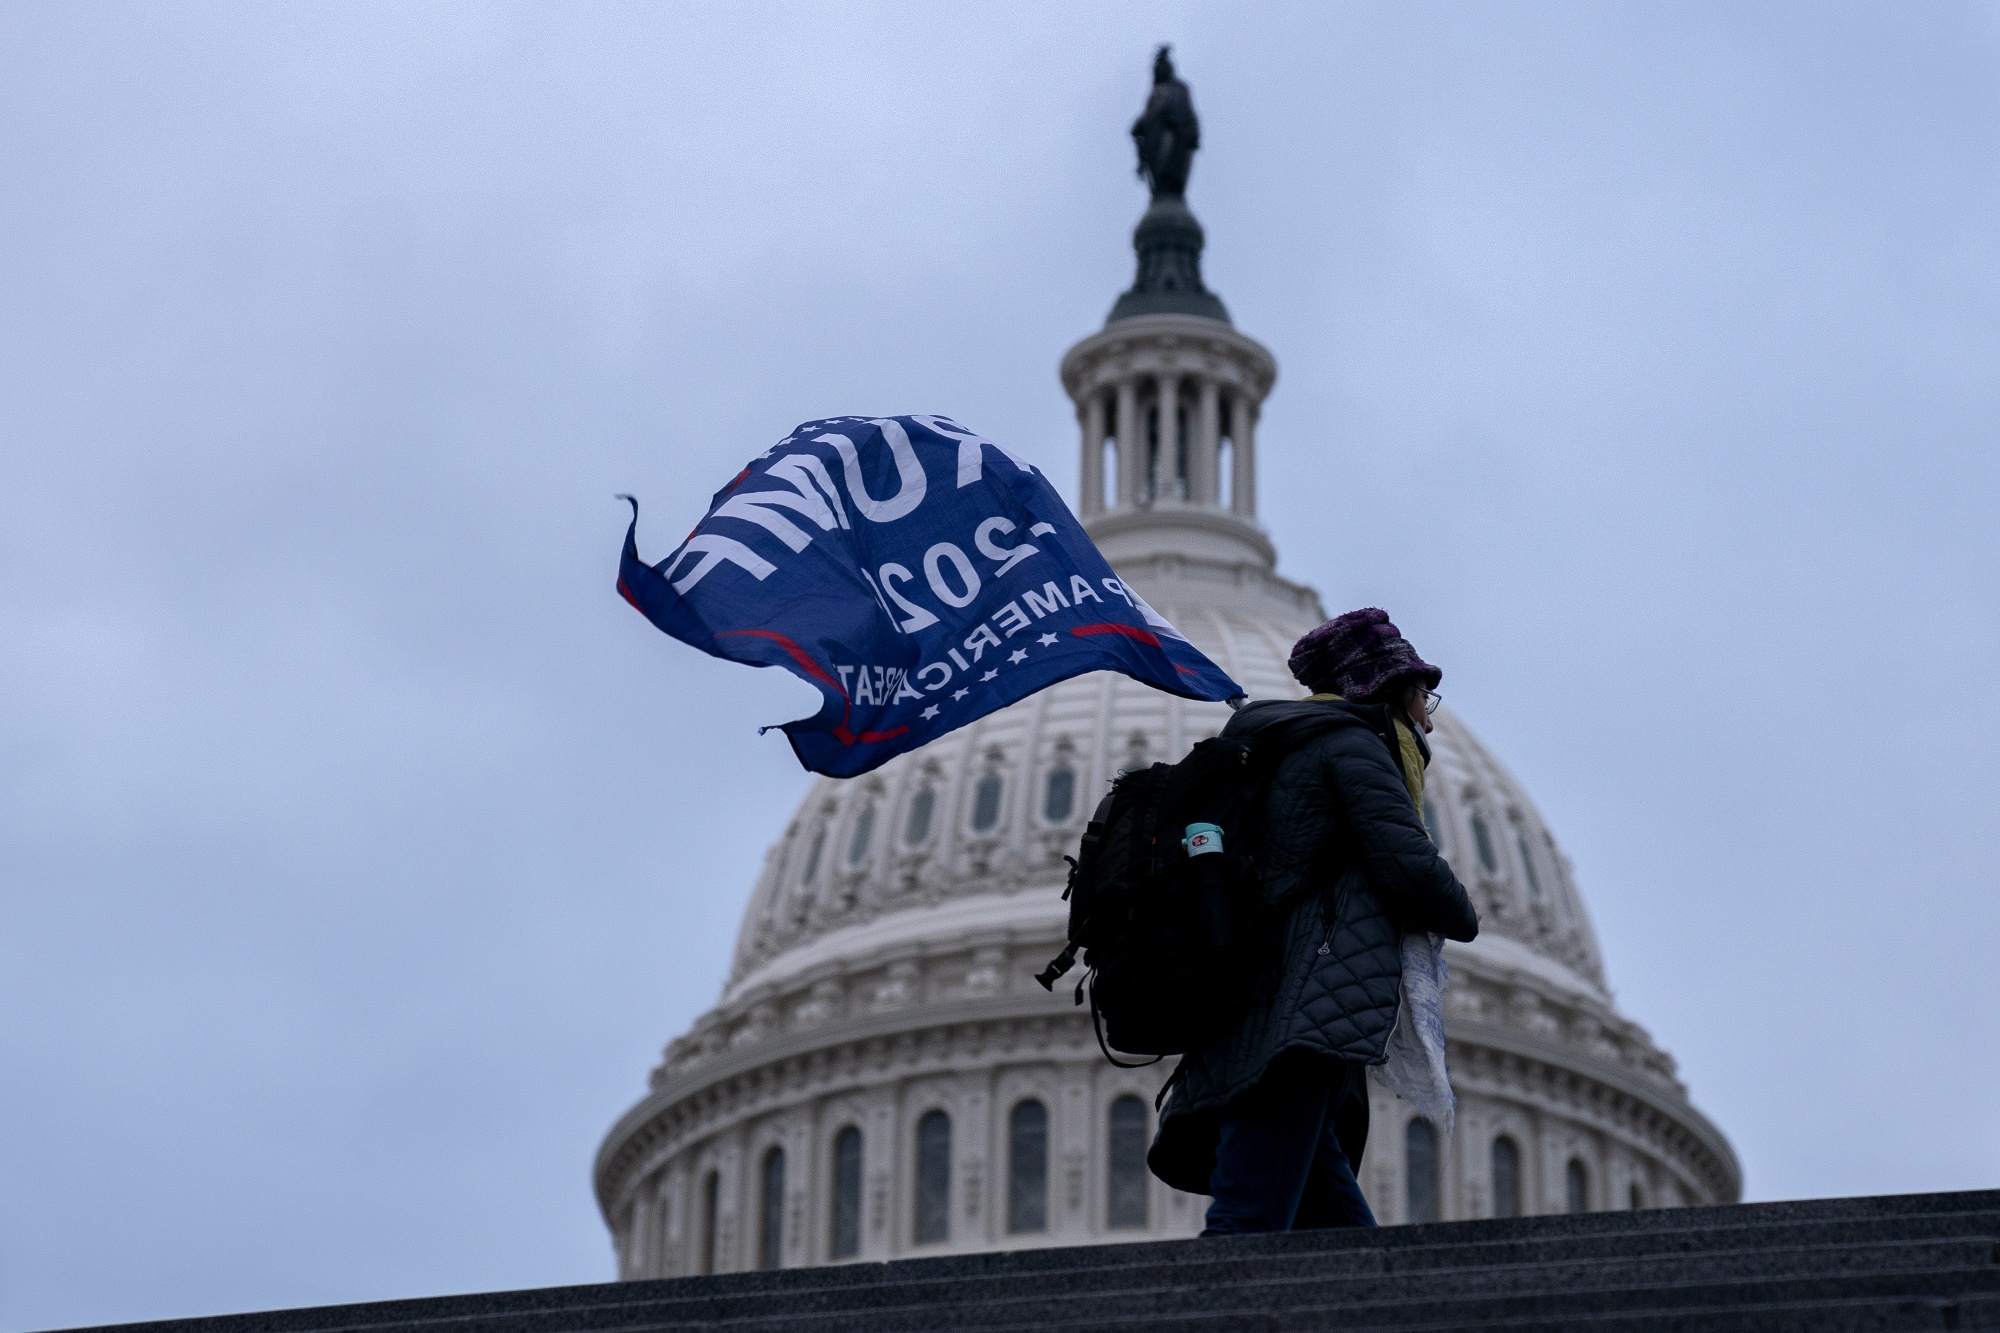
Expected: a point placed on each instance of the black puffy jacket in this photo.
(1347, 866)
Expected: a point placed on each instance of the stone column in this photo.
(1243, 475)
(625, 1240)
(673, 1255)
(1069, 1165)
(729, 1204)
(1159, 476)
(974, 1226)
(881, 1149)
(1205, 485)
(1131, 442)
(795, 1251)
(1091, 475)
(1553, 1191)
(643, 1238)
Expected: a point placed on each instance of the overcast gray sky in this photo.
(360, 848)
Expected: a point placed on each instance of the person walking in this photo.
(1270, 1117)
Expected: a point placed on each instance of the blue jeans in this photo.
(1282, 1158)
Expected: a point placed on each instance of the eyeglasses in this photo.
(1431, 701)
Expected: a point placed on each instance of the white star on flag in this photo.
(1018, 656)
(990, 675)
(960, 694)
(1046, 640)
(928, 713)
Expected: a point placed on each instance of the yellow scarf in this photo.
(1406, 745)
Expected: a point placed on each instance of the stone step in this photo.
(1385, 1308)
(1183, 1263)
(1269, 1281)
(1891, 1315)
(1916, 1261)
(1515, 1266)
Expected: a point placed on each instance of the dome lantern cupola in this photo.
(1168, 393)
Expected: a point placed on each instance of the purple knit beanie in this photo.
(1356, 655)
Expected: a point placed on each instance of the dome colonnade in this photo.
(1173, 399)
(883, 1077)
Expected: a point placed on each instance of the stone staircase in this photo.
(1921, 1261)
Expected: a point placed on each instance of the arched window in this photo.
(1028, 1167)
(918, 826)
(846, 1194)
(1576, 1186)
(933, 1177)
(1638, 1197)
(1420, 1171)
(771, 1211)
(1125, 1202)
(986, 803)
(711, 1207)
(812, 855)
(864, 829)
(1528, 865)
(1506, 1178)
(1060, 796)
(1110, 497)
(1485, 841)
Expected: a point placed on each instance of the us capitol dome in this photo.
(882, 1075)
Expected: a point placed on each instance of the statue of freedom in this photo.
(1167, 132)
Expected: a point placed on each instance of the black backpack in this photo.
(1176, 945)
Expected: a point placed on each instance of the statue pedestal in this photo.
(1169, 242)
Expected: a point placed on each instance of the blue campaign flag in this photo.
(917, 573)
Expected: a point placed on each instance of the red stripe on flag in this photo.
(812, 668)
(817, 672)
(1129, 631)
(846, 737)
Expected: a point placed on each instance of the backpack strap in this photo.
(1101, 813)
(1093, 834)
(1168, 1086)
(1272, 743)
(1097, 1026)
(1058, 965)
(1150, 829)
